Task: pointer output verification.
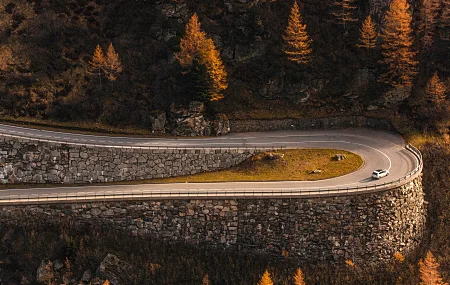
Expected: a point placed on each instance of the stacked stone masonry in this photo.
(310, 124)
(32, 161)
(366, 228)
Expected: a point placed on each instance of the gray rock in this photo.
(115, 270)
(372, 108)
(395, 95)
(87, 275)
(57, 265)
(158, 120)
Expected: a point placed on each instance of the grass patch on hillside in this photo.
(80, 127)
(295, 164)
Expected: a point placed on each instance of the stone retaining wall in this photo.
(366, 228)
(30, 161)
(310, 124)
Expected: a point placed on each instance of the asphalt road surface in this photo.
(378, 149)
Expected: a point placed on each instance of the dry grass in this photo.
(88, 128)
(297, 164)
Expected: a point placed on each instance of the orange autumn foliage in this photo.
(191, 42)
(296, 38)
(266, 279)
(112, 65)
(298, 278)
(397, 52)
(195, 44)
(368, 34)
(210, 57)
(429, 274)
(97, 62)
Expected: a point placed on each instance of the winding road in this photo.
(378, 149)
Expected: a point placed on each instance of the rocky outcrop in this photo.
(366, 228)
(302, 91)
(115, 270)
(395, 96)
(191, 122)
(158, 121)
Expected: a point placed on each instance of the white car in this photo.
(380, 173)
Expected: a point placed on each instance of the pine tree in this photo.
(210, 56)
(429, 11)
(296, 38)
(205, 280)
(429, 274)
(191, 42)
(97, 62)
(397, 52)
(435, 90)
(344, 11)
(265, 279)
(368, 34)
(112, 66)
(298, 277)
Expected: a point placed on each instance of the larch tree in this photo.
(344, 11)
(444, 20)
(298, 277)
(297, 42)
(215, 68)
(205, 280)
(266, 279)
(398, 56)
(435, 90)
(191, 42)
(368, 34)
(429, 274)
(429, 12)
(196, 52)
(97, 63)
(112, 66)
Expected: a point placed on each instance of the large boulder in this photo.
(395, 95)
(190, 121)
(115, 270)
(158, 120)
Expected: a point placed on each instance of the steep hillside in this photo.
(46, 47)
